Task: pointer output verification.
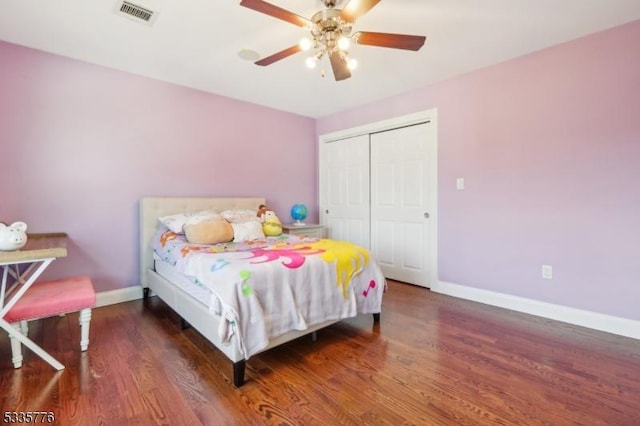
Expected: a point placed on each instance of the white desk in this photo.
(35, 256)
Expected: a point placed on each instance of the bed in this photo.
(242, 311)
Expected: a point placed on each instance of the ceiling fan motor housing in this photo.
(328, 28)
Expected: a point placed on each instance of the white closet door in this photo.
(403, 177)
(344, 190)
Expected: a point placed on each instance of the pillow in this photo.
(251, 230)
(176, 222)
(240, 215)
(211, 230)
(202, 216)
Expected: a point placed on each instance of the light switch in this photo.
(460, 184)
(547, 272)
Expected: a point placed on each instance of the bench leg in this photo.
(24, 326)
(85, 319)
(16, 347)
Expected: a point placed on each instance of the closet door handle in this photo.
(426, 215)
(327, 211)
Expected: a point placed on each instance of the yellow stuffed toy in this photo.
(271, 226)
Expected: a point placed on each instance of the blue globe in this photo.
(299, 213)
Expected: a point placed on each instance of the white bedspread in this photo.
(267, 287)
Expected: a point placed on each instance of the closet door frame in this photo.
(431, 116)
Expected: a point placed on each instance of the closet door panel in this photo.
(344, 190)
(400, 193)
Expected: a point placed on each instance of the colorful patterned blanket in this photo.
(267, 287)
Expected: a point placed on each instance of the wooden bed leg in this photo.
(314, 336)
(376, 317)
(238, 373)
(146, 292)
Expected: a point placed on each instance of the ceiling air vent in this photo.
(136, 12)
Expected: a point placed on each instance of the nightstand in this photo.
(311, 230)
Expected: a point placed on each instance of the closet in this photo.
(378, 189)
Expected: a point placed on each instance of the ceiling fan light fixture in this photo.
(352, 64)
(344, 43)
(305, 43)
(311, 62)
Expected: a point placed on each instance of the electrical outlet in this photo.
(460, 184)
(547, 272)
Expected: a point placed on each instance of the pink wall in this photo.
(549, 146)
(81, 144)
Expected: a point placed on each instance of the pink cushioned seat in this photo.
(48, 298)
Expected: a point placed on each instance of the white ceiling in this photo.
(196, 43)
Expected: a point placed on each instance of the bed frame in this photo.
(190, 310)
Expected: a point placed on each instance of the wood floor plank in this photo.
(432, 360)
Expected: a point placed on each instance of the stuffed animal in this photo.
(211, 230)
(13, 237)
(271, 226)
(262, 209)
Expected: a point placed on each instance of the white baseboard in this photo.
(120, 295)
(594, 320)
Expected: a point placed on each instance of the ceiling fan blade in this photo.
(394, 41)
(276, 12)
(356, 8)
(339, 66)
(277, 56)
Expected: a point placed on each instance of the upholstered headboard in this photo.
(151, 208)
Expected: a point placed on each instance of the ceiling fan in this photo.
(331, 35)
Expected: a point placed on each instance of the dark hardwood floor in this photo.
(432, 360)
